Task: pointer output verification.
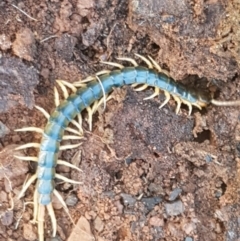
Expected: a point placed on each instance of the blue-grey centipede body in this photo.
(84, 97)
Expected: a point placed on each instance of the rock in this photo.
(7, 218)
(128, 199)
(5, 42)
(17, 82)
(98, 224)
(175, 208)
(24, 45)
(82, 229)
(65, 45)
(28, 232)
(174, 194)
(155, 221)
(71, 200)
(151, 202)
(3, 130)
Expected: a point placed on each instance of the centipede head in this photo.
(203, 100)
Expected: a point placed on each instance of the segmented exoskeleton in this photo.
(97, 87)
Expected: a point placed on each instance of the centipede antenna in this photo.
(65, 179)
(113, 64)
(71, 137)
(167, 95)
(178, 100)
(143, 87)
(28, 145)
(69, 129)
(27, 184)
(77, 125)
(56, 97)
(149, 64)
(104, 94)
(62, 162)
(27, 158)
(38, 130)
(69, 85)
(41, 218)
(63, 88)
(132, 61)
(156, 93)
(44, 112)
(65, 147)
(59, 197)
(225, 103)
(53, 218)
(105, 71)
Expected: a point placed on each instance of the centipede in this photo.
(89, 94)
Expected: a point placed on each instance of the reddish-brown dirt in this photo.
(148, 174)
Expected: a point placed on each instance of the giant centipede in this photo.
(90, 92)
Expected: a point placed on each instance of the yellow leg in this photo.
(132, 61)
(39, 130)
(113, 64)
(65, 147)
(149, 64)
(65, 179)
(78, 126)
(63, 88)
(53, 218)
(73, 131)
(167, 95)
(59, 197)
(27, 158)
(69, 85)
(143, 87)
(56, 97)
(28, 145)
(27, 184)
(189, 106)
(41, 214)
(105, 71)
(35, 206)
(178, 100)
(44, 112)
(158, 67)
(156, 93)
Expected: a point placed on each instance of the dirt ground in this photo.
(148, 174)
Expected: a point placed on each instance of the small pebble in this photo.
(151, 202)
(128, 199)
(174, 194)
(28, 232)
(175, 208)
(3, 130)
(71, 200)
(188, 239)
(98, 224)
(7, 218)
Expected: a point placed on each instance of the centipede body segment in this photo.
(83, 98)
